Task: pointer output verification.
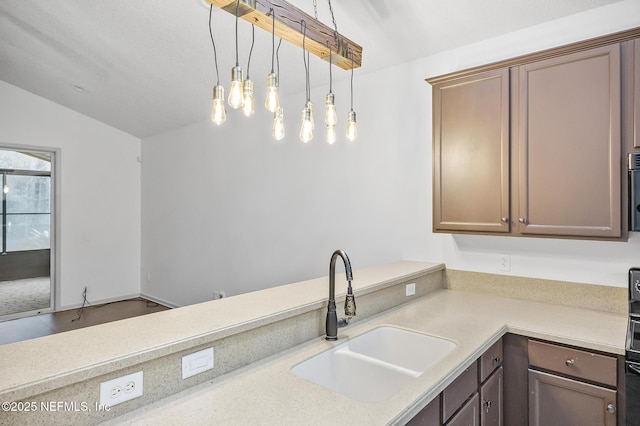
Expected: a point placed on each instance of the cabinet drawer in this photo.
(573, 362)
(458, 391)
(490, 360)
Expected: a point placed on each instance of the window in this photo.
(26, 201)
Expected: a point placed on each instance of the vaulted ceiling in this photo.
(146, 66)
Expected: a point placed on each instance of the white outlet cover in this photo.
(121, 389)
(197, 362)
(411, 289)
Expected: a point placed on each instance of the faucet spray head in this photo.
(350, 303)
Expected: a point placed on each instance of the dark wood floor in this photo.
(57, 322)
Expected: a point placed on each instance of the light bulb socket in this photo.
(331, 99)
(247, 87)
(351, 117)
(272, 80)
(218, 92)
(306, 113)
(236, 74)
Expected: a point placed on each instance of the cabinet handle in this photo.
(487, 404)
(497, 360)
(569, 362)
(505, 219)
(611, 408)
(522, 220)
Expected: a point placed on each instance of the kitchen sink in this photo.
(375, 365)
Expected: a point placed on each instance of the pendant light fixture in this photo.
(306, 127)
(330, 115)
(235, 93)
(218, 113)
(248, 106)
(278, 116)
(272, 101)
(352, 130)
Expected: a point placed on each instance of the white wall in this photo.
(226, 208)
(99, 203)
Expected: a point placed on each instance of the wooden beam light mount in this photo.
(288, 26)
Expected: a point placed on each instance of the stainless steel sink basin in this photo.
(375, 365)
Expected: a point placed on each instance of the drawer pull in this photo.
(611, 408)
(497, 360)
(487, 404)
(569, 362)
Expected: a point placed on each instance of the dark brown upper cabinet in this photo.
(535, 146)
(636, 91)
(471, 153)
(569, 145)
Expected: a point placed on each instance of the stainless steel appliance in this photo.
(632, 365)
(634, 191)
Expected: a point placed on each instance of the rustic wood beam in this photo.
(289, 27)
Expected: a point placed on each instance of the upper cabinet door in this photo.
(471, 153)
(569, 157)
(636, 95)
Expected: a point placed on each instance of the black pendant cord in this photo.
(237, 5)
(253, 40)
(351, 52)
(278, 59)
(303, 24)
(273, 37)
(330, 71)
(215, 53)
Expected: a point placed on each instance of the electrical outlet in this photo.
(410, 289)
(121, 389)
(505, 262)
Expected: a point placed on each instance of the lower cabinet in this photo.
(535, 383)
(571, 387)
(556, 400)
(474, 398)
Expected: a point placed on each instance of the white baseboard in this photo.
(159, 301)
(100, 301)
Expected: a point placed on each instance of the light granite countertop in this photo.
(267, 393)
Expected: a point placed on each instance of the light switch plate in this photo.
(197, 362)
(411, 289)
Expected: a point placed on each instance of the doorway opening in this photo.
(26, 214)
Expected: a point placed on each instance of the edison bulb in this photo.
(306, 129)
(272, 102)
(218, 113)
(235, 93)
(248, 106)
(352, 130)
(330, 115)
(278, 125)
(331, 134)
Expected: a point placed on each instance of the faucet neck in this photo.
(332, 271)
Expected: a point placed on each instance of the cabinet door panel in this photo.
(491, 400)
(558, 401)
(569, 145)
(471, 153)
(468, 414)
